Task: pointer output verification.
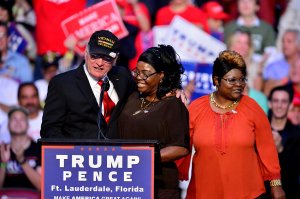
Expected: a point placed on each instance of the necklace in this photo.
(144, 106)
(213, 101)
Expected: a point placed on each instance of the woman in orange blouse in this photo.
(234, 149)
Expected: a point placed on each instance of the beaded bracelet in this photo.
(274, 183)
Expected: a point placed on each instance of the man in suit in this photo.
(72, 103)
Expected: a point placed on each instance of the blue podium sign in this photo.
(97, 172)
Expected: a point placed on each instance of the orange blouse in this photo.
(234, 152)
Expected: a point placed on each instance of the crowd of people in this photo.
(257, 78)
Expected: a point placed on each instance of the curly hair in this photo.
(164, 59)
(226, 61)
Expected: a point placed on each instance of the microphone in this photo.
(104, 87)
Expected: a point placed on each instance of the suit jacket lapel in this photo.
(120, 88)
(115, 80)
(85, 88)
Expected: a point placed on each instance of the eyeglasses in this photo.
(105, 58)
(234, 81)
(142, 75)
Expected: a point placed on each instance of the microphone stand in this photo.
(104, 87)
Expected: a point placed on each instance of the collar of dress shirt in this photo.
(92, 81)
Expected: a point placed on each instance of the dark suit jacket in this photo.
(290, 167)
(71, 108)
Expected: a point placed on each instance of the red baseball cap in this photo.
(214, 10)
(296, 99)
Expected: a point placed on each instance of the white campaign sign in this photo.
(190, 42)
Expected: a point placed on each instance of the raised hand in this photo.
(5, 152)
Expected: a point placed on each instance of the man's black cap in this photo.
(104, 42)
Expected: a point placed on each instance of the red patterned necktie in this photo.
(107, 103)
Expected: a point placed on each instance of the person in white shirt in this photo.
(28, 97)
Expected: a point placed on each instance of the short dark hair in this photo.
(282, 88)
(47, 63)
(226, 61)
(4, 24)
(17, 108)
(7, 6)
(164, 58)
(24, 84)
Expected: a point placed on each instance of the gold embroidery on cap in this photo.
(106, 42)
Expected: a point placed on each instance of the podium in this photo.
(98, 169)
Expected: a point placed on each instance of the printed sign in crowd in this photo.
(200, 74)
(98, 172)
(17, 42)
(103, 15)
(197, 55)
